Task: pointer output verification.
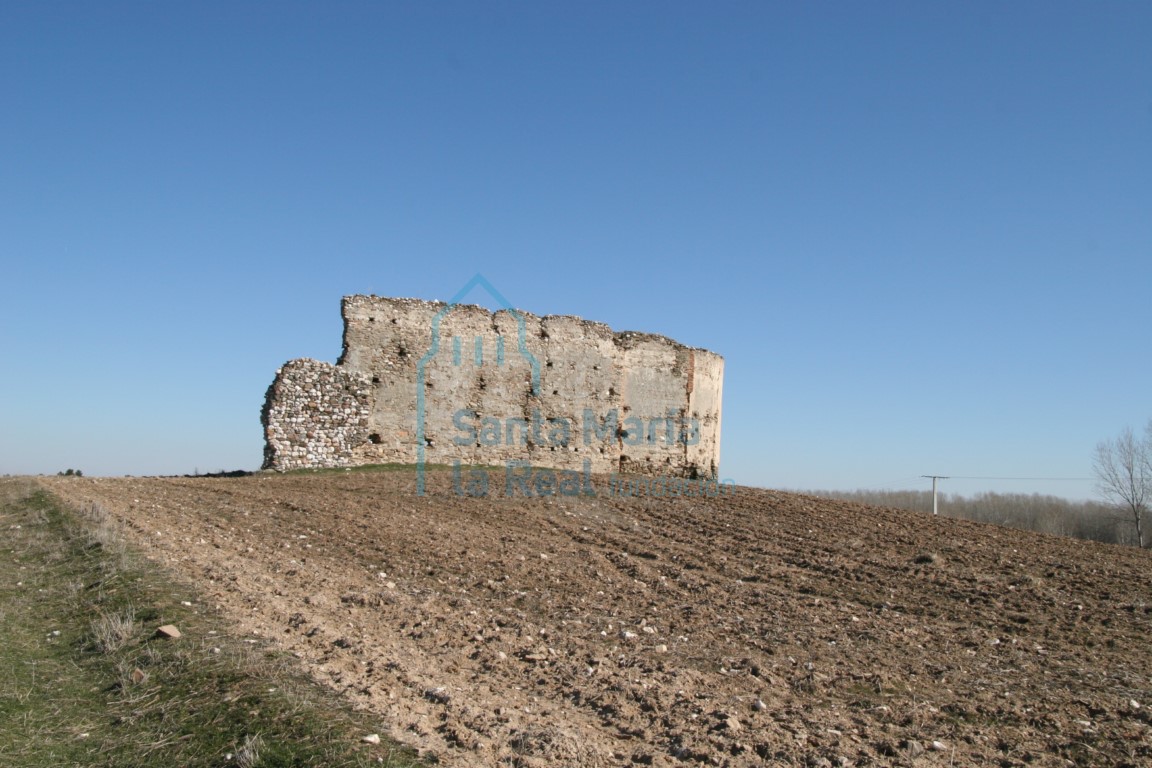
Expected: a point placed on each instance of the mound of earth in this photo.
(750, 628)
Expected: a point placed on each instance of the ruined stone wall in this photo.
(445, 383)
(315, 415)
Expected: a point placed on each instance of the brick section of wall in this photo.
(462, 376)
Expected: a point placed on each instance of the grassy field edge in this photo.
(86, 679)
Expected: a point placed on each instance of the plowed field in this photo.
(753, 628)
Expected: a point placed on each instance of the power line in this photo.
(965, 477)
(898, 483)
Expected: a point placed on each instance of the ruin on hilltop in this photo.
(422, 381)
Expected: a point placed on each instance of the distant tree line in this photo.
(1093, 520)
(1123, 468)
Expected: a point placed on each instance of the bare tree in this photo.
(1124, 474)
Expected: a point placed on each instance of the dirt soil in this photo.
(756, 628)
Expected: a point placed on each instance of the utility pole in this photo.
(935, 509)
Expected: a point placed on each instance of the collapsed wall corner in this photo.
(315, 415)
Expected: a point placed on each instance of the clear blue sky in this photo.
(919, 233)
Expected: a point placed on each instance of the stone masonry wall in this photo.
(315, 414)
(443, 383)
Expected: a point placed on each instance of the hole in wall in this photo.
(375, 379)
(374, 438)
